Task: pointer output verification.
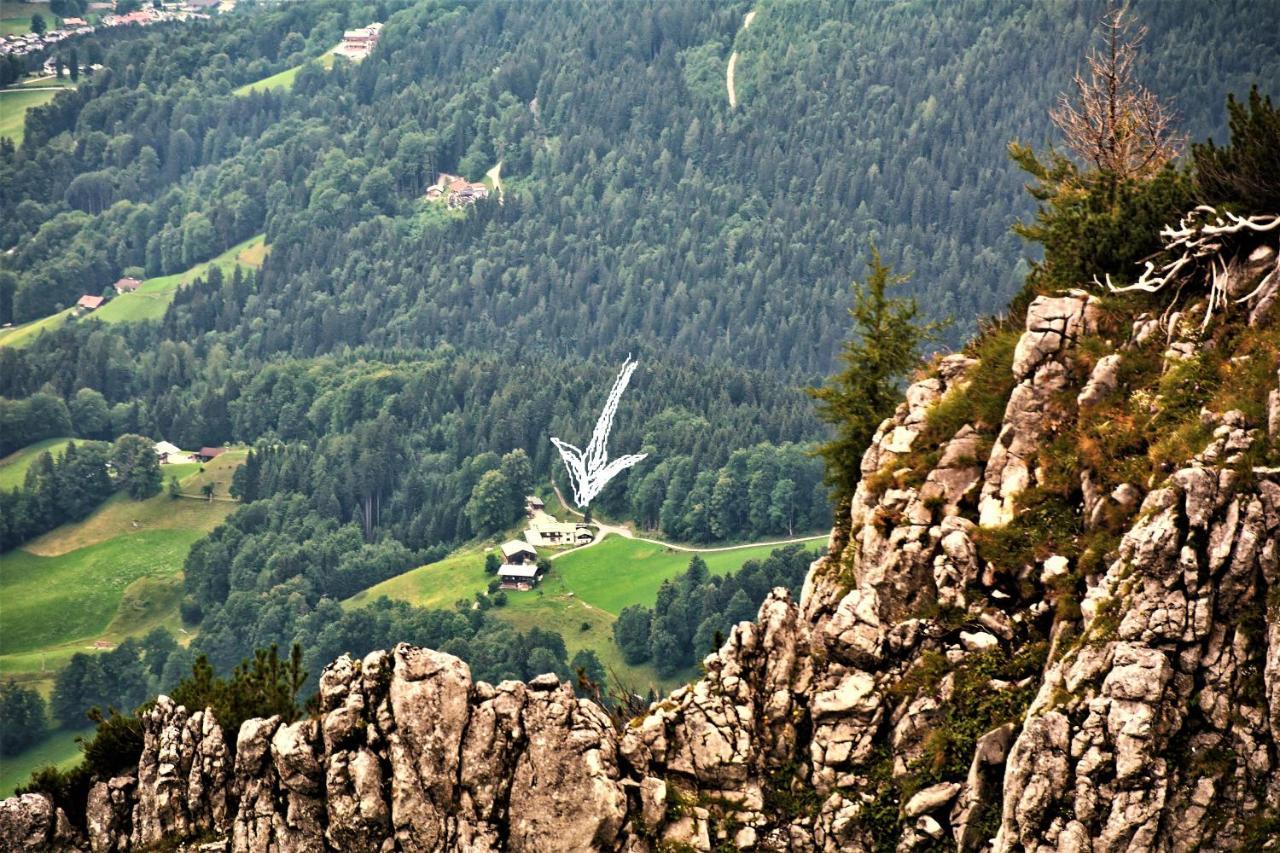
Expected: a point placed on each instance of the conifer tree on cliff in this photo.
(884, 346)
(1103, 207)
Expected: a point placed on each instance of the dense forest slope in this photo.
(1048, 621)
(639, 206)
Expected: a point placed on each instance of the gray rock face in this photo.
(1040, 364)
(920, 692)
(108, 814)
(182, 775)
(1123, 745)
(26, 823)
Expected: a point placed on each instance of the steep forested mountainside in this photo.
(1049, 620)
(639, 208)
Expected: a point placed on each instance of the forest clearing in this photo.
(116, 574)
(733, 63)
(150, 300)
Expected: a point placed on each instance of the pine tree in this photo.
(885, 345)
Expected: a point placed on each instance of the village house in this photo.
(519, 569)
(128, 285)
(457, 191)
(205, 454)
(518, 577)
(548, 531)
(167, 452)
(517, 553)
(89, 303)
(359, 43)
(533, 504)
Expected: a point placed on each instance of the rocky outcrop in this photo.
(1165, 714)
(1005, 652)
(1040, 368)
(182, 776)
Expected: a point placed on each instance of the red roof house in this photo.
(128, 285)
(88, 302)
(207, 453)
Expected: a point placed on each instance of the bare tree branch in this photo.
(1114, 123)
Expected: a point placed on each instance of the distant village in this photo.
(520, 567)
(25, 44)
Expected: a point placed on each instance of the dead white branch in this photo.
(1200, 239)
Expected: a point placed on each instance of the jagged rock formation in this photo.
(1025, 639)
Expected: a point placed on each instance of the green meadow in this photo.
(21, 335)
(14, 104)
(59, 749)
(13, 468)
(116, 574)
(151, 300)
(580, 597)
(284, 79)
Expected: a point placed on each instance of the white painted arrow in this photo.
(591, 471)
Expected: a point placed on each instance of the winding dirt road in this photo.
(604, 530)
(733, 63)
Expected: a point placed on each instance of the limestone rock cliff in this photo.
(1050, 624)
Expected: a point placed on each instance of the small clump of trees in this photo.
(22, 715)
(695, 611)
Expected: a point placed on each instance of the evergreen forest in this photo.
(395, 366)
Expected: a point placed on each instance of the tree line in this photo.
(413, 443)
(68, 487)
(695, 611)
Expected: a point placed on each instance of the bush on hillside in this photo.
(22, 720)
(1246, 173)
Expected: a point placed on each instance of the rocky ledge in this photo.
(938, 686)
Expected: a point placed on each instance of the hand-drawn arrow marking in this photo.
(591, 471)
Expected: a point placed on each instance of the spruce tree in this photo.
(885, 345)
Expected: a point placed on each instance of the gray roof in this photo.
(510, 571)
(510, 549)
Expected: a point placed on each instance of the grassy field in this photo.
(284, 79)
(58, 748)
(15, 18)
(192, 477)
(14, 104)
(24, 334)
(122, 516)
(116, 574)
(13, 468)
(460, 575)
(44, 81)
(150, 301)
(619, 572)
(50, 600)
(580, 597)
